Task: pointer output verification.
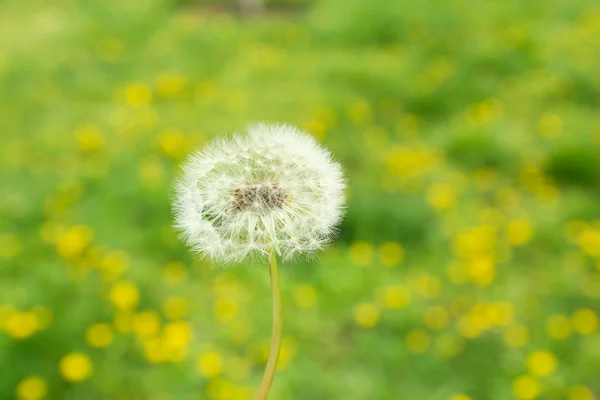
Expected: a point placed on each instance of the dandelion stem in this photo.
(271, 366)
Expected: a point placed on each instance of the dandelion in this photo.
(274, 192)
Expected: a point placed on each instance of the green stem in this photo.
(271, 366)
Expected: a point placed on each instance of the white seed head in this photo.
(272, 190)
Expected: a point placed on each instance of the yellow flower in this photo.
(175, 273)
(580, 393)
(395, 296)
(361, 253)
(550, 125)
(114, 264)
(519, 232)
(541, 363)
(460, 396)
(172, 142)
(436, 317)
(21, 325)
(210, 364)
(89, 138)
(429, 286)
(525, 388)
(441, 196)
(584, 321)
(10, 245)
(481, 271)
(366, 315)
(75, 367)
(557, 327)
(32, 388)
(138, 95)
(390, 254)
(304, 295)
(170, 84)
(225, 309)
(124, 295)
(176, 307)
(146, 323)
(417, 341)
(516, 336)
(99, 335)
(73, 243)
(359, 112)
(589, 241)
(177, 335)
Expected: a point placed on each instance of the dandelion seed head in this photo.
(273, 189)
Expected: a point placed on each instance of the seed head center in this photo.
(260, 198)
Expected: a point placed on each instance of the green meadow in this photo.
(468, 263)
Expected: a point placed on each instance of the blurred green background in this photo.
(468, 266)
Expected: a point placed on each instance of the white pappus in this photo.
(274, 189)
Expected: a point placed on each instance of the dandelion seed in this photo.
(273, 190)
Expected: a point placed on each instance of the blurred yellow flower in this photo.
(176, 307)
(395, 296)
(113, 264)
(315, 128)
(428, 286)
(558, 327)
(146, 323)
(177, 335)
(436, 317)
(525, 388)
(10, 245)
(138, 95)
(550, 125)
(123, 321)
(304, 295)
(225, 309)
(519, 232)
(366, 315)
(288, 351)
(481, 271)
(21, 325)
(210, 364)
(585, 321)
(441, 196)
(541, 363)
(124, 295)
(417, 341)
(175, 273)
(99, 335)
(516, 336)
(390, 254)
(580, 393)
(89, 138)
(75, 367)
(32, 388)
(172, 143)
(72, 243)
(359, 112)
(589, 241)
(460, 396)
(170, 84)
(361, 253)
(220, 389)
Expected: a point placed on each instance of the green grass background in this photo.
(470, 133)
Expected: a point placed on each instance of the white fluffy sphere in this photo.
(272, 190)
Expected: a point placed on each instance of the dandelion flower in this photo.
(273, 190)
